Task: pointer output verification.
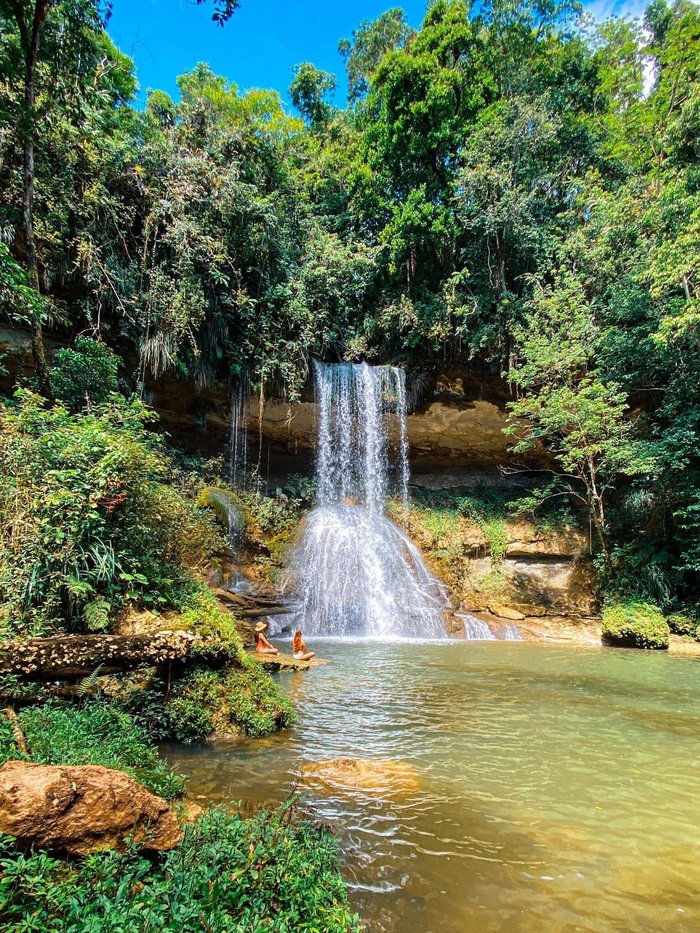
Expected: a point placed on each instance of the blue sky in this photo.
(264, 40)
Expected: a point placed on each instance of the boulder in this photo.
(82, 809)
(505, 612)
(369, 774)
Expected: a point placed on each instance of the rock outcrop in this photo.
(82, 809)
(458, 420)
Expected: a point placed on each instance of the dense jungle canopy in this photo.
(511, 187)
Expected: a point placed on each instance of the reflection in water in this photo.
(557, 787)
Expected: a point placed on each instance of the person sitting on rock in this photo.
(299, 649)
(262, 645)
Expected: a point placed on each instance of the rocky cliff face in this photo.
(458, 422)
(493, 560)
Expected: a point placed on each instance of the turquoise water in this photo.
(557, 788)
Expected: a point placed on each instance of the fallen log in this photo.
(262, 611)
(67, 656)
(17, 733)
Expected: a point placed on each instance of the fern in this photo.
(87, 684)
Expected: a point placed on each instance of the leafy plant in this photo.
(271, 872)
(87, 522)
(85, 374)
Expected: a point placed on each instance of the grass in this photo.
(95, 732)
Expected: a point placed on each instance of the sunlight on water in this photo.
(558, 788)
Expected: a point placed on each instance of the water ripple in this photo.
(555, 784)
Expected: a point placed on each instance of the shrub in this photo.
(85, 374)
(229, 873)
(636, 624)
(95, 733)
(238, 697)
(684, 623)
(88, 522)
(206, 702)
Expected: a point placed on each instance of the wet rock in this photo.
(453, 624)
(82, 809)
(370, 774)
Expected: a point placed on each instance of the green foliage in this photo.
(88, 521)
(85, 374)
(569, 406)
(509, 189)
(19, 302)
(236, 695)
(370, 43)
(206, 702)
(309, 91)
(95, 733)
(635, 624)
(487, 508)
(267, 873)
(271, 872)
(685, 623)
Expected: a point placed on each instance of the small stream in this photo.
(558, 788)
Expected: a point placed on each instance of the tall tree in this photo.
(29, 17)
(370, 43)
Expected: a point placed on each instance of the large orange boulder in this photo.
(82, 809)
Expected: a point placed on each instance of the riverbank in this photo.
(583, 632)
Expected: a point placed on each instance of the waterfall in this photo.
(354, 571)
(238, 439)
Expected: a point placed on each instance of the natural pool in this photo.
(559, 787)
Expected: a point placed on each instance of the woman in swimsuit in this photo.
(299, 649)
(262, 645)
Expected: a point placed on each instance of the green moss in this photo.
(685, 624)
(216, 627)
(271, 872)
(636, 624)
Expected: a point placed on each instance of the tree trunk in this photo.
(597, 507)
(30, 35)
(72, 656)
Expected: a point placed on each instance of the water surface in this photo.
(559, 787)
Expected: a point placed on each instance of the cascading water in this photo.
(238, 440)
(355, 572)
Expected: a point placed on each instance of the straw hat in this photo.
(260, 626)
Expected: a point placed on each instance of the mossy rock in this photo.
(683, 623)
(635, 625)
(225, 506)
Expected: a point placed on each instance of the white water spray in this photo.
(238, 438)
(355, 572)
